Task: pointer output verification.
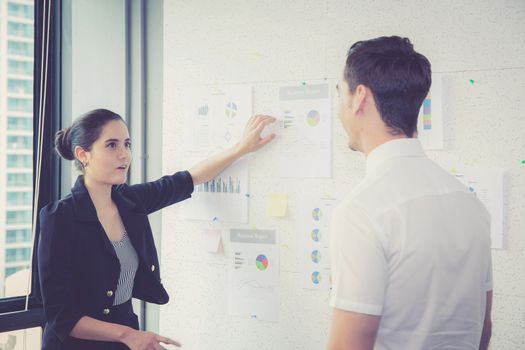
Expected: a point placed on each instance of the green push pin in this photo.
(472, 81)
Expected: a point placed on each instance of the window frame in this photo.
(13, 313)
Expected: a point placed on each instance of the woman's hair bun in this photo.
(63, 144)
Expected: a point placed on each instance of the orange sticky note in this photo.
(276, 204)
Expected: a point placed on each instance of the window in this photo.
(25, 32)
(20, 48)
(17, 217)
(11, 270)
(20, 67)
(18, 236)
(19, 104)
(20, 29)
(19, 123)
(20, 142)
(19, 180)
(19, 161)
(19, 198)
(20, 86)
(20, 10)
(17, 254)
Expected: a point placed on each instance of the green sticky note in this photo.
(276, 204)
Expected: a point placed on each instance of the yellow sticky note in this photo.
(276, 204)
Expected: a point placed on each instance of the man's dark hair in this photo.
(398, 77)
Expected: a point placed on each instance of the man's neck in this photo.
(371, 143)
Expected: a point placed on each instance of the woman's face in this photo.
(110, 155)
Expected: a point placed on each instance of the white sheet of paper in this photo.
(316, 214)
(430, 119)
(487, 185)
(254, 271)
(216, 117)
(304, 130)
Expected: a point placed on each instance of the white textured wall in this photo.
(268, 43)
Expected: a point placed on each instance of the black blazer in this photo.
(77, 264)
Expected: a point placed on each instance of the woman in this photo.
(96, 249)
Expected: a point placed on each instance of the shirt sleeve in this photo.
(359, 266)
(55, 267)
(163, 192)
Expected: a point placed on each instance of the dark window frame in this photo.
(11, 316)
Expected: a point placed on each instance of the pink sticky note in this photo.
(212, 240)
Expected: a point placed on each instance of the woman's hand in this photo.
(140, 340)
(251, 140)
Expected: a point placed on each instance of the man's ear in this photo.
(359, 99)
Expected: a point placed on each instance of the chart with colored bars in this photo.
(254, 286)
(430, 118)
(219, 185)
(222, 199)
(427, 113)
(315, 230)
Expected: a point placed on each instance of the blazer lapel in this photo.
(85, 211)
(132, 219)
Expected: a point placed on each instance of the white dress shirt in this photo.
(412, 245)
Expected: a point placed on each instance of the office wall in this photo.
(269, 43)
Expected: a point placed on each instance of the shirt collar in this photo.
(405, 147)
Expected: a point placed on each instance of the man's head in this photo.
(384, 84)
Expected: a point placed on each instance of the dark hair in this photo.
(397, 75)
(84, 131)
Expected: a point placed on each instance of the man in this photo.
(410, 246)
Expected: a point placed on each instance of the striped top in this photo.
(129, 264)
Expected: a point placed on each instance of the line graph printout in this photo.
(254, 274)
(304, 130)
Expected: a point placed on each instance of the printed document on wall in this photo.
(304, 130)
(215, 119)
(430, 119)
(316, 214)
(487, 185)
(254, 274)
